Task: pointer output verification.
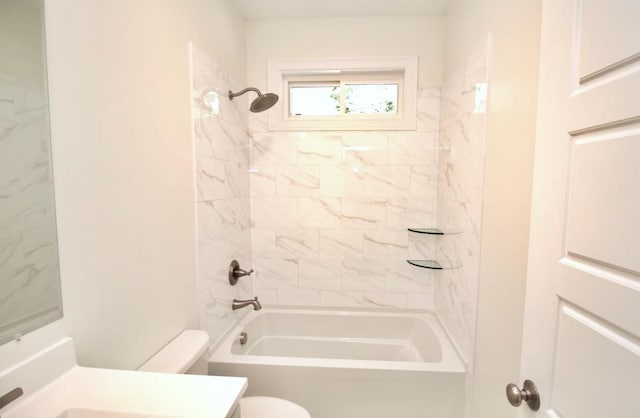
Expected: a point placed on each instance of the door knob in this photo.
(529, 393)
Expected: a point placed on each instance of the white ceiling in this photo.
(288, 9)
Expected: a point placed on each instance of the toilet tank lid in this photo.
(180, 354)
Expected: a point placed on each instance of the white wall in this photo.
(420, 36)
(510, 132)
(123, 163)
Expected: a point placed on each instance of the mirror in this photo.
(29, 268)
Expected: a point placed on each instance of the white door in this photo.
(581, 345)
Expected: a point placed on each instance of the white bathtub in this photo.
(347, 364)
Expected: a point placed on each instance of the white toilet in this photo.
(187, 353)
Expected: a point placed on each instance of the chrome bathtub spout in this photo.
(239, 304)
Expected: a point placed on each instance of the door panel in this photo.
(579, 380)
(604, 45)
(582, 323)
(603, 198)
(590, 103)
(608, 292)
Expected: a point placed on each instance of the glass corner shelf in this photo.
(428, 231)
(434, 265)
(426, 264)
(434, 231)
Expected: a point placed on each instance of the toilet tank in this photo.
(186, 353)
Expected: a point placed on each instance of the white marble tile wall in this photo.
(29, 267)
(330, 212)
(222, 181)
(461, 168)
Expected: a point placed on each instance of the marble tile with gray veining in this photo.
(297, 180)
(364, 148)
(461, 167)
(341, 298)
(263, 180)
(341, 243)
(268, 297)
(213, 139)
(320, 273)
(403, 277)
(263, 242)
(428, 117)
(323, 212)
(222, 219)
(221, 179)
(410, 148)
(353, 180)
(386, 244)
(386, 181)
(276, 273)
(423, 181)
(275, 212)
(337, 204)
(385, 299)
(332, 181)
(366, 274)
(211, 181)
(424, 246)
(258, 122)
(222, 145)
(420, 301)
(410, 212)
(296, 243)
(364, 213)
(299, 297)
(274, 148)
(319, 148)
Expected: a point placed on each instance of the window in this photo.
(314, 99)
(344, 94)
(351, 94)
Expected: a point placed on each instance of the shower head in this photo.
(260, 103)
(263, 102)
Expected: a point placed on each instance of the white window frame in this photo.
(403, 70)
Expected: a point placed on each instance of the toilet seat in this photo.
(268, 407)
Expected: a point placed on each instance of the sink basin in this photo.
(98, 413)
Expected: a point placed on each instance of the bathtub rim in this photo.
(452, 361)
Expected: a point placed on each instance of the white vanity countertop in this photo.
(129, 392)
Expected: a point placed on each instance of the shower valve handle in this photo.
(235, 272)
(240, 272)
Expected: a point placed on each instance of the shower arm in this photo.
(243, 91)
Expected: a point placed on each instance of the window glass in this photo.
(321, 100)
(336, 99)
(371, 98)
